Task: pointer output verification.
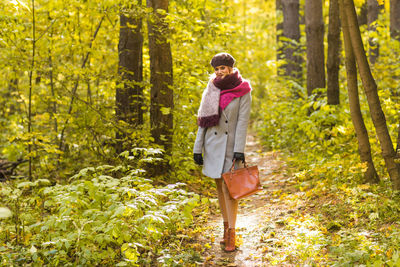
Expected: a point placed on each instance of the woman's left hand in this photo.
(238, 156)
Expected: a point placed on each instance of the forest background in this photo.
(97, 116)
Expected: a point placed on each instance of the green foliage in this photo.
(105, 215)
(350, 223)
(73, 100)
(109, 213)
(353, 223)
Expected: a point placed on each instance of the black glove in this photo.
(238, 156)
(198, 158)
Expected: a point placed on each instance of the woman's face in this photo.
(222, 71)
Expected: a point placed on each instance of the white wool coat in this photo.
(218, 143)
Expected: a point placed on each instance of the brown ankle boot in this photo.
(226, 226)
(230, 244)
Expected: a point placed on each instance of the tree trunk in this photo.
(398, 143)
(291, 32)
(162, 104)
(31, 70)
(53, 103)
(372, 19)
(395, 19)
(370, 88)
(315, 45)
(279, 35)
(362, 16)
(333, 61)
(364, 147)
(129, 95)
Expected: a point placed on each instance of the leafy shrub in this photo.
(107, 215)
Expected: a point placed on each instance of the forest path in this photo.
(261, 225)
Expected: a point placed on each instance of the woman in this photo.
(223, 118)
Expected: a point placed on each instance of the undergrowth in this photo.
(105, 215)
(348, 222)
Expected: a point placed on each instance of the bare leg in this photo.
(221, 199)
(231, 206)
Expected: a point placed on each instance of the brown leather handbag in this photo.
(242, 182)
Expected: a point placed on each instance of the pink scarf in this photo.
(228, 95)
(217, 96)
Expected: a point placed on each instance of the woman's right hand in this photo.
(198, 158)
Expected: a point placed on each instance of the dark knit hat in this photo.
(222, 59)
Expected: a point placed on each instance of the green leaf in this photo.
(42, 182)
(5, 213)
(165, 111)
(25, 185)
(33, 249)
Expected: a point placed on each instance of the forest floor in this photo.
(271, 224)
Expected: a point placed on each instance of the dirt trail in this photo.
(260, 225)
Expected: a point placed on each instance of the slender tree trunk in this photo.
(333, 61)
(315, 45)
(38, 77)
(395, 34)
(129, 96)
(370, 88)
(395, 19)
(362, 16)
(53, 103)
(372, 18)
(162, 102)
(398, 143)
(30, 89)
(279, 35)
(291, 32)
(364, 147)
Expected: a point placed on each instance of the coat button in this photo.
(226, 132)
(226, 121)
(215, 133)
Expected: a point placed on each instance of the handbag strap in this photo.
(233, 165)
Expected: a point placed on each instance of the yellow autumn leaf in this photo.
(165, 111)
